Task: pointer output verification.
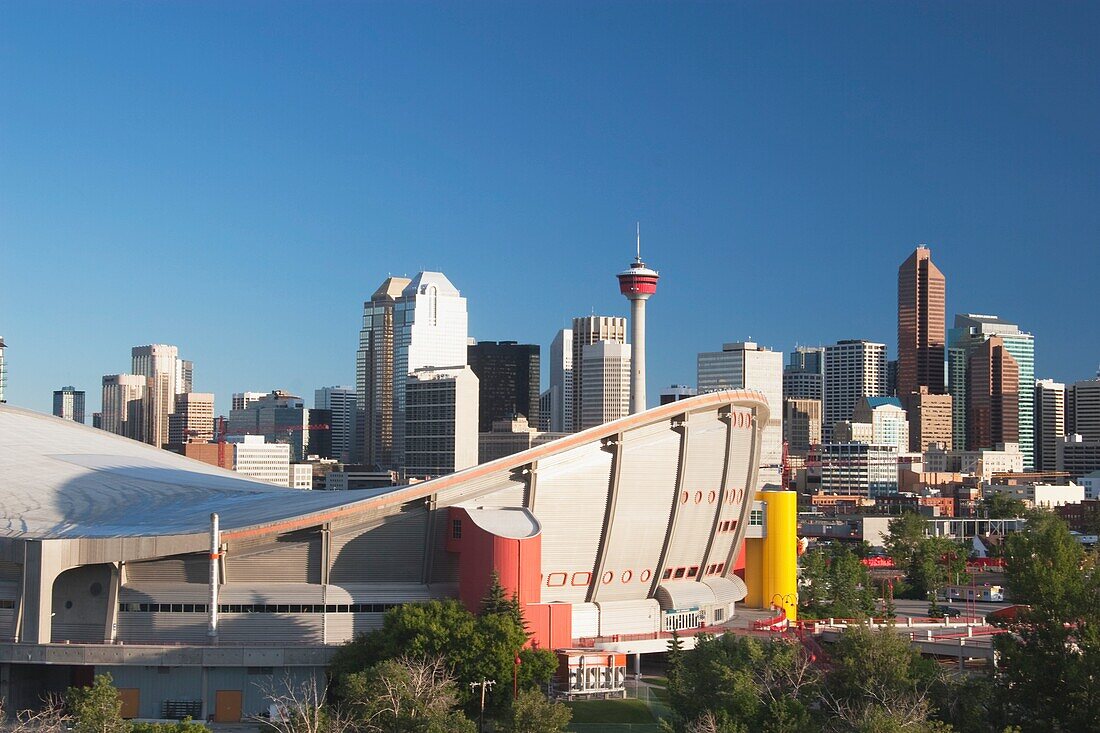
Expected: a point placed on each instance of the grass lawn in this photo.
(587, 712)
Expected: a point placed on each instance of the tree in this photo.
(96, 709)
(1051, 661)
(837, 583)
(929, 563)
(533, 713)
(404, 695)
(300, 708)
(1003, 506)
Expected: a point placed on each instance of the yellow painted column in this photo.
(754, 573)
(780, 550)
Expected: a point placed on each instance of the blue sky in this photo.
(235, 178)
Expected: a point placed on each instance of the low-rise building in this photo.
(1077, 455)
(855, 468)
(1091, 482)
(510, 436)
(257, 459)
(1041, 496)
(984, 463)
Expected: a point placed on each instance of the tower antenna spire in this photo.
(639, 255)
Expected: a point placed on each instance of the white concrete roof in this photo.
(62, 479)
(515, 523)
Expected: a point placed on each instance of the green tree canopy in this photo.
(96, 709)
(837, 584)
(533, 713)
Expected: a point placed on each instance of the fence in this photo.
(652, 698)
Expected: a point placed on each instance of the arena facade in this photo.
(200, 591)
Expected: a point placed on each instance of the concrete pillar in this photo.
(42, 565)
(637, 666)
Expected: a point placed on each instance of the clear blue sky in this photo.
(235, 178)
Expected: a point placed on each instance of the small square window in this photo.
(456, 529)
(679, 572)
(693, 571)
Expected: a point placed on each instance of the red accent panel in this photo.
(518, 563)
(550, 625)
(739, 563)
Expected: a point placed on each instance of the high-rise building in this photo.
(1083, 409)
(3, 371)
(560, 415)
(969, 332)
(192, 421)
(993, 396)
(638, 283)
(589, 330)
(341, 403)
(801, 425)
(187, 376)
(440, 432)
(746, 365)
(862, 469)
(1050, 422)
(804, 374)
(124, 403)
(854, 369)
(280, 417)
(509, 376)
(1077, 455)
(920, 383)
(241, 400)
(921, 325)
(677, 392)
(68, 404)
(887, 418)
(374, 377)
(605, 392)
(429, 332)
(161, 364)
(545, 409)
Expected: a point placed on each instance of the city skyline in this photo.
(732, 133)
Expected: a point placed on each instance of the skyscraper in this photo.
(993, 396)
(804, 374)
(440, 433)
(509, 378)
(241, 400)
(161, 364)
(969, 332)
(920, 384)
(341, 403)
(280, 417)
(746, 365)
(430, 329)
(605, 393)
(560, 414)
(187, 377)
(68, 404)
(123, 411)
(1050, 425)
(589, 330)
(3, 370)
(192, 421)
(801, 425)
(854, 369)
(638, 283)
(374, 377)
(1083, 409)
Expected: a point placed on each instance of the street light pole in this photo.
(484, 685)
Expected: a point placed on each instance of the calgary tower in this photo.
(637, 283)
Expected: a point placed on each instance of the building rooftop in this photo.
(873, 402)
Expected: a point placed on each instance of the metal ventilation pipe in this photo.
(215, 556)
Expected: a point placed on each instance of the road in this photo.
(920, 608)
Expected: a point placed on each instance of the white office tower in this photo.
(590, 330)
(257, 459)
(3, 370)
(161, 363)
(186, 377)
(440, 431)
(429, 325)
(241, 400)
(193, 419)
(854, 369)
(561, 383)
(68, 404)
(605, 392)
(1050, 422)
(888, 421)
(123, 404)
(746, 365)
(341, 402)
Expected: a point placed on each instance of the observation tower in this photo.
(637, 283)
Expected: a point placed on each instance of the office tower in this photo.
(969, 332)
(589, 330)
(853, 369)
(279, 417)
(1083, 409)
(804, 374)
(801, 425)
(892, 378)
(862, 469)
(605, 394)
(241, 400)
(887, 418)
(319, 444)
(440, 432)
(545, 410)
(638, 283)
(374, 377)
(192, 421)
(993, 394)
(161, 364)
(509, 377)
(260, 460)
(341, 402)
(123, 404)
(677, 392)
(745, 365)
(560, 398)
(97, 420)
(429, 332)
(511, 436)
(3, 370)
(1050, 422)
(919, 381)
(68, 404)
(1077, 455)
(187, 376)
